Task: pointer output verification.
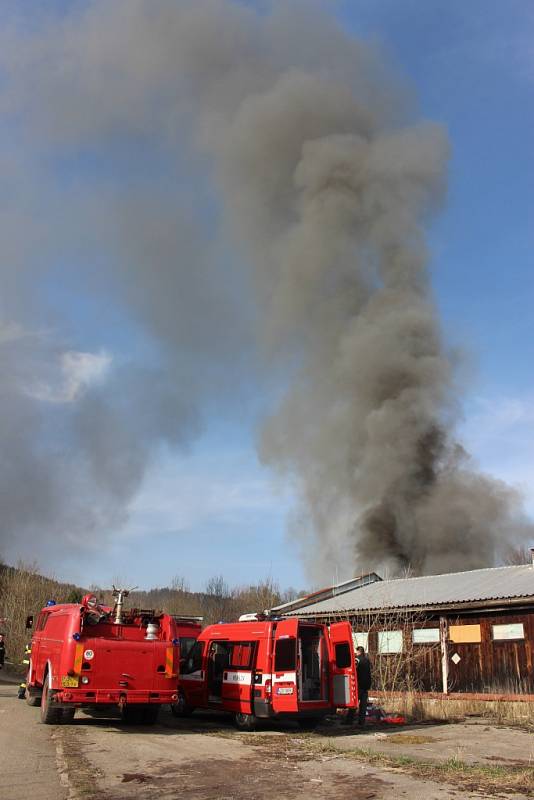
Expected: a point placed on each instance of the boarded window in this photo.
(465, 634)
(285, 658)
(512, 631)
(360, 639)
(425, 635)
(389, 642)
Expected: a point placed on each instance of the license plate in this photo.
(285, 690)
(70, 681)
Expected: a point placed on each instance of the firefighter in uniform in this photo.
(21, 694)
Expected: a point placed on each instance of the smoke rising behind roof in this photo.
(251, 191)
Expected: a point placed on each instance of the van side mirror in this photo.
(29, 622)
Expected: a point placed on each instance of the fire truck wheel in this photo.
(31, 698)
(132, 714)
(245, 722)
(50, 713)
(67, 715)
(150, 715)
(180, 708)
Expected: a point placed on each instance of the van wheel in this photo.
(245, 722)
(32, 699)
(180, 708)
(67, 715)
(50, 713)
(309, 723)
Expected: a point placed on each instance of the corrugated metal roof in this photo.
(497, 583)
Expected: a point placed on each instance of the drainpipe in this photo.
(443, 637)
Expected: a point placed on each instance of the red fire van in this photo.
(270, 668)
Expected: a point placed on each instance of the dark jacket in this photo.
(2, 653)
(364, 673)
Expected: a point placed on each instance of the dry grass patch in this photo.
(409, 738)
(488, 780)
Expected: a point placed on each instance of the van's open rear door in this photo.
(344, 688)
(284, 680)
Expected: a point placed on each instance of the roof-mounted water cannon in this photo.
(119, 595)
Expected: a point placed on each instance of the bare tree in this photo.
(218, 601)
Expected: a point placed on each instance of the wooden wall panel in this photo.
(488, 666)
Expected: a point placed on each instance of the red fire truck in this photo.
(270, 668)
(91, 656)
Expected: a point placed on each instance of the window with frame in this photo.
(425, 635)
(360, 639)
(285, 656)
(241, 655)
(193, 662)
(343, 658)
(506, 633)
(390, 642)
(42, 620)
(186, 643)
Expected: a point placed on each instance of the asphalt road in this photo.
(204, 758)
(28, 757)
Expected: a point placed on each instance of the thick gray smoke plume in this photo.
(139, 113)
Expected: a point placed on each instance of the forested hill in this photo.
(24, 590)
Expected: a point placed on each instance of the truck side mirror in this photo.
(29, 622)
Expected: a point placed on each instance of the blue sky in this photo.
(210, 507)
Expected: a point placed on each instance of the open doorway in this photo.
(313, 683)
(218, 660)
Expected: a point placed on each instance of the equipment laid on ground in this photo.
(376, 714)
(87, 655)
(270, 668)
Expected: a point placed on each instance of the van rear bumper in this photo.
(88, 697)
(264, 710)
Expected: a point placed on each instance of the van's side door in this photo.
(344, 684)
(192, 680)
(284, 666)
(238, 677)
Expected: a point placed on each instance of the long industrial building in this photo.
(462, 632)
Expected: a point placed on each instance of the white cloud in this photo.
(81, 370)
(204, 489)
(74, 373)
